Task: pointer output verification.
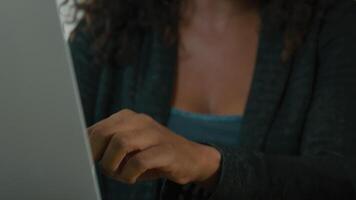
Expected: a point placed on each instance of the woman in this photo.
(189, 99)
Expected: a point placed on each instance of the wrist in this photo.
(210, 159)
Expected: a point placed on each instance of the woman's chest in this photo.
(278, 98)
(215, 76)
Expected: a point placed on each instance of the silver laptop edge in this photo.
(44, 151)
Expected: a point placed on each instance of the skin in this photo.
(219, 46)
(133, 147)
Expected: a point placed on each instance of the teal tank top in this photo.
(222, 129)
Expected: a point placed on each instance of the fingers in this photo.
(126, 144)
(98, 144)
(122, 144)
(109, 124)
(100, 134)
(144, 165)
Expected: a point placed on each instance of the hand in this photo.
(132, 147)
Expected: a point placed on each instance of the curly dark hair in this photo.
(123, 22)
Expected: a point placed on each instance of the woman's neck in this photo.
(216, 14)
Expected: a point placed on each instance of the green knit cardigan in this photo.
(298, 136)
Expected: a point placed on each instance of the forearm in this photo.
(248, 175)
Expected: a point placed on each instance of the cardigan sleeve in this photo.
(328, 147)
(87, 74)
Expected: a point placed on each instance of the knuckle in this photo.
(145, 118)
(139, 162)
(125, 179)
(182, 181)
(123, 112)
(128, 180)
(131, 182)
(96, 131)
(121, 142)
(106, 169)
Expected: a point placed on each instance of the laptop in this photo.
(44, 151)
